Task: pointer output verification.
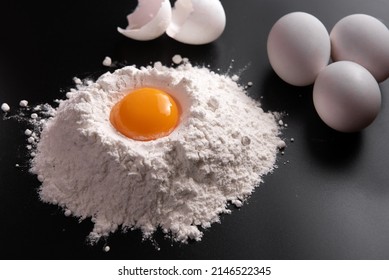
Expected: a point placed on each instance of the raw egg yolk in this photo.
(145, 114)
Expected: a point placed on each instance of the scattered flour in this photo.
(235, 78)
(177, 59)
(181, 183)
(107, 61)
(5, 107)
(23, 103)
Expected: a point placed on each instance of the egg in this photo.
(298, 48)
(145, 114)
(194, 22)
(346, 96)
(197, 22)
(362, 39)
(148, 21)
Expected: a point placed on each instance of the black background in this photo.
(330, 200)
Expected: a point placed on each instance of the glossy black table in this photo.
(328, 199)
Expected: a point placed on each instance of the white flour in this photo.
(181, 183)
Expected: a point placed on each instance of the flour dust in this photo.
(182, 183)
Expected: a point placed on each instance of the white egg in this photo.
(346, 96)
(299, 48)
(197, 22)
(364, 40)
(149, 20)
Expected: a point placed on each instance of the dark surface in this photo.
(329, 201)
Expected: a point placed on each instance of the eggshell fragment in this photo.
(298, 48)
(362, 39)
(149, 20)
(197, 22)
(346, 96)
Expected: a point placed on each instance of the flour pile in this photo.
(181, 183)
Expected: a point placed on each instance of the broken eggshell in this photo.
(194, 22)
(197, 22)
(148, 21)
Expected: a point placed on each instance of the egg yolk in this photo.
(145, 114)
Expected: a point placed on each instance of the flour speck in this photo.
(5, 107)
(107, 61)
